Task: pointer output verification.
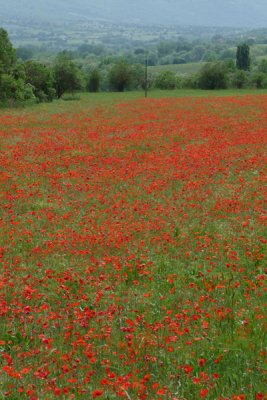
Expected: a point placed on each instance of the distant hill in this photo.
(235, 13)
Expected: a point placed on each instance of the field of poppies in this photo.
(133, 250)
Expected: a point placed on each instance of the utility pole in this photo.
(146, 78)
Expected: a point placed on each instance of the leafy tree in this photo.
(227, 54)
(40, 77)
(230, 65)
(138, 77)
(93, 83)
(239, 79)
(86, 48)
(24, 53)
(262, 67)
(190, 82)
(12, 89)
(152, 59)
(213, 76)
(165, 48)
(259, 80)
(197, 53)
(7, 52)
(120, 76)
(243, 57)
(67, 75)
(166, 80)
(209, 56)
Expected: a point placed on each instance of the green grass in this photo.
(92, 100)
(182, 69)
(168, 197)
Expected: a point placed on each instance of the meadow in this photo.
(133, 248)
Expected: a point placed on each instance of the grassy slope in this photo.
(188, 68)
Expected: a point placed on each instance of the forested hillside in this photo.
(194, 12)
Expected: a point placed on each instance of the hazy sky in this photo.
(246, 13)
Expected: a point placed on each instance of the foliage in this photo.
(262, 67)
(166, 80)
(120, 76)
(12, 90)
(7, 52)
(239, 79)
(243, 57)
(259, 80)
(138, 77)
(67, 75)
(190, 81)
(93, 83)
(213, 76)
(24, 53)
(40, 78)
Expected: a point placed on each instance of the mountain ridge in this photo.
(234, 13)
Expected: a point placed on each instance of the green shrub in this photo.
(12, 90)
(213, 76)
(239, 79)
(259, 80)
(166, 80)
(93, 83)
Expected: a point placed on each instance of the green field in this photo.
(133, 247)
(182, 69)
(81, 101)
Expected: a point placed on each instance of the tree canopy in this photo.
(67, 75)
(243, 57)
(7, 52)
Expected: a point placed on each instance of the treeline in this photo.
(30, 80)
(219, 75)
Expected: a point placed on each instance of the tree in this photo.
(7, 53)
(243, 57)
(120, 76)
(213, 76)
(93, 83)
(12, 90)
(239, 79)
(259, 80)
(67, 75)
(262, 67)
(40, 77)
(12, 74)
(24, 53)
(166, 80)
(138, 77)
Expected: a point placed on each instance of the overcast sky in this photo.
(240, 13)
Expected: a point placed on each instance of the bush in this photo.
(262, 67)
(239, 79)
(93, 83)
(120, 76)
(259, 80)
(12, 90)
(40, 78)
(67, 75)
(166, 80)
(189, 82)
(213, 76)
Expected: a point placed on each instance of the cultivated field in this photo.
(133, 249)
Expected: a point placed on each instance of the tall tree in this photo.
(243, 57)
(7, 52)
(93, 83)
(120, 76)
(40, 77)
(67, 75)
